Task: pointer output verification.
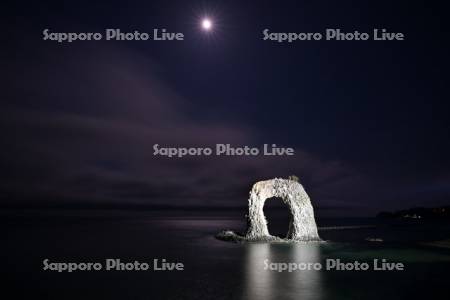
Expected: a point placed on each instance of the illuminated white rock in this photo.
(302, 225)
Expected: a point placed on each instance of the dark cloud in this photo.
(80, 127)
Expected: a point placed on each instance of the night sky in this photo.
(368, 119)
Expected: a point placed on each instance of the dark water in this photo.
(215, 269)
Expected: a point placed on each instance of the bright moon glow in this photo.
(206, 24)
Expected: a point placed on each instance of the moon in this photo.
(206, 24)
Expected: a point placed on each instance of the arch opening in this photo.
(278, 216)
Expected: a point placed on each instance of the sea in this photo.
(215, 269)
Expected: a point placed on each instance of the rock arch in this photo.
(302, 226)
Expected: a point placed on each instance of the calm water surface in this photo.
(216, 269)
